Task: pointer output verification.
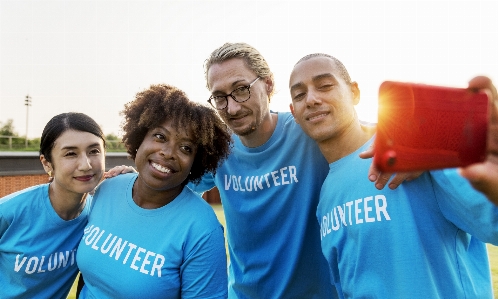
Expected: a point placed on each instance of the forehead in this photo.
(175, 129)
(227, 73)
(308, 69)
(76, 139)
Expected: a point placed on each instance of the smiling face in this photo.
(77, 162)
(322, 101)
(247, 117)
(164, 159)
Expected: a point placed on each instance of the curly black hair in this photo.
(162, 102)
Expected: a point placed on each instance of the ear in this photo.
(269, 85)
(47, 166)
(356, 93)
(292, 111)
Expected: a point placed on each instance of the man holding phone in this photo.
(422, 240)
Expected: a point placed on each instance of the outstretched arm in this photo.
(484, 176)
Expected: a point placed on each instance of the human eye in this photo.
(95, 151)
(159, 137)
(187, 148)
(241, 91)
(70, 154)
(219, 99)
(326, 86)
(298, 96)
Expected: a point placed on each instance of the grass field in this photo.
(493, 257)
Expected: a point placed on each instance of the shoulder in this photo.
(196, 205)
(23, 199)
(117, 181)
(25, 195)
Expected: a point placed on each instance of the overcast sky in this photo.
(94, 56)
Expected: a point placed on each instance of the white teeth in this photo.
(312, 118)
(161, 168)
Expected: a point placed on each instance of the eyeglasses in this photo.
(239, 95)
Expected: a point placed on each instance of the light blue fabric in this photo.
(37, 247)
(174, 251)
(269, 195)
(421, 240)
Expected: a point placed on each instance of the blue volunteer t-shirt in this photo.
(175, 251)
(37, 247)
(421, 240)
(269, 195)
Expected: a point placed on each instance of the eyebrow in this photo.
(70, 147)
(314, 79)
(186, 138)
(232, 85)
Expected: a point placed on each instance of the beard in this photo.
(245, 131)
(242, 130)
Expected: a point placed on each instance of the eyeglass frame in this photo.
(248, 87)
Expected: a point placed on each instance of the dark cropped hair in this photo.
(152, 107)
(63, 122)
(342, 69)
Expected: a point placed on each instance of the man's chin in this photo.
(245, 131)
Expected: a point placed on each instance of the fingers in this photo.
(376, 176)
(403, 177)
(369, 153)
(117, 170)
(483, 177)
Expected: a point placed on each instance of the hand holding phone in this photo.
(423, 127)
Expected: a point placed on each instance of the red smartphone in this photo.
(424, 127)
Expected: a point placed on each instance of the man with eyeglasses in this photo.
(269, 185)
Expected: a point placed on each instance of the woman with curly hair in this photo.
(148, 234)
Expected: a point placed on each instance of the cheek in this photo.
(99, 162)
(223, 114)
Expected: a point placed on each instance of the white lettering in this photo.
(33, 259)
(52, 262)
(382, 208)
(132, 246)
(117, 249)
(367, 209)
(249, 186)
(363, 211)
(240, 185)
(227, 183)
(91, 236)
(275, 178)
(357, 211)
(137, 258)
(235, 186)
(18, 266)
(41, 265)
(106, 250)
(267, 181)
(258, 183)
(146, 262)
(158, 263)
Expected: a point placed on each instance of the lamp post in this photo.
(27, 103)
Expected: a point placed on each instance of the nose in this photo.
(232, 106)
(85, 163)
(312, 98)
(167, 152)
